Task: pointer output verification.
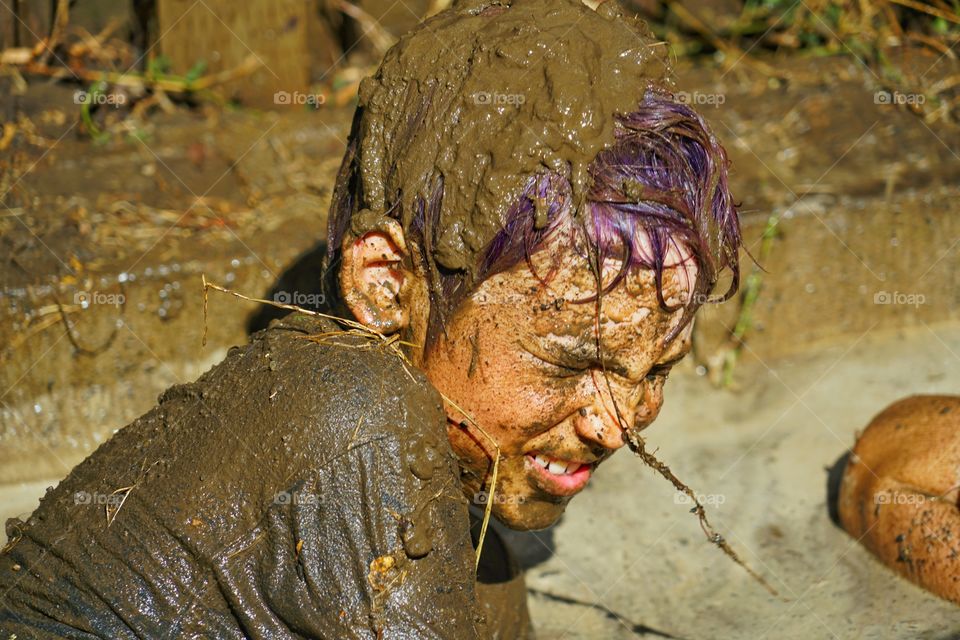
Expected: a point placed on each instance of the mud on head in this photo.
(496, 129)
(493, 125)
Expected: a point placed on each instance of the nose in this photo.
(614, 408)
(594, 424)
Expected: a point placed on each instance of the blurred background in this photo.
(145, 143)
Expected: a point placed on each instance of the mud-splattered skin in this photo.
(538, 385)
(900, 494)
(537, 368)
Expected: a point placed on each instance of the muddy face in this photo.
(522, 359)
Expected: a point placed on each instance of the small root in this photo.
(638, 446)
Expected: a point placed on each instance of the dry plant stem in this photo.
(638, 446)
(71, 336)
(925, 8)
(92, 44)
(493, 477)
(732, 53)
(60, 20)
(138, 81)
(945, 85)
(14, 539)
(380, 37)
(392, 343)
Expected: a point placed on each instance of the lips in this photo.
(557, 476)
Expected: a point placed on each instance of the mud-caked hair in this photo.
(497, 124)
(662, 182)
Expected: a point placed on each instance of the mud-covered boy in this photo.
(524, 203)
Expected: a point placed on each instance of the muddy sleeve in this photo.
(295, 491)
(374, 540)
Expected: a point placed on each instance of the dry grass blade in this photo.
(925, 8)
(60, 20)
(380, 37)
(353, 324)
(732, 53)
(391, 342)
(493, 476)
(138, 81)
(111, 513)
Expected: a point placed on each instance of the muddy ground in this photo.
(867, 195)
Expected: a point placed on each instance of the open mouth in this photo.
(557, 476)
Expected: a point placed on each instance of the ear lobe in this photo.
(373, 280)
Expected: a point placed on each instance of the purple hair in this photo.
(663, 182)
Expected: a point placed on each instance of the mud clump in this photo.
(498, 92)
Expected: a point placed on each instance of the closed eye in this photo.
(662, 370)
(659, 371)
(554, 363)
(561, 367)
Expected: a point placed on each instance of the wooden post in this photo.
(23, 23)
(223, 33)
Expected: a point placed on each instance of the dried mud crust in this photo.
(295, 490)
(481, 97)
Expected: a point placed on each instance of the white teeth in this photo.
(557, 467)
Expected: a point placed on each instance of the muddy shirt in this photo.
(296, 490)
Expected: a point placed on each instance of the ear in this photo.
(373, 279)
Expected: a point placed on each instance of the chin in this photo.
(530, 515)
